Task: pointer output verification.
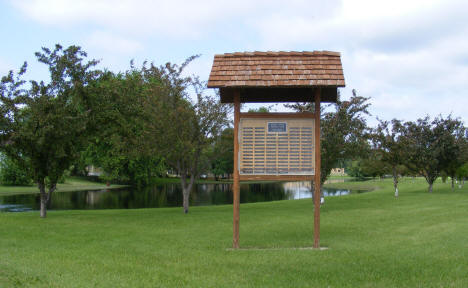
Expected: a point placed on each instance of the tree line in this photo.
(133, 124)
(138, 124)
(426, 147)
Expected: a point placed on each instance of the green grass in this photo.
(71, 184)
(365, 185)
(374, 240)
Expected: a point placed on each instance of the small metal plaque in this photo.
(276, 127)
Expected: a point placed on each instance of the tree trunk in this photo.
(45, 197)
(186, 195)
(43, 211)
(430, 187)
(186, 189)
(453, 184)
(395, 181)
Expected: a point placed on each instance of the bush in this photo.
(11, 173)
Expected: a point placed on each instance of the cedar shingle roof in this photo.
(277, 69)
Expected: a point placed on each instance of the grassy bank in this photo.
(71, 184)
(374, 240)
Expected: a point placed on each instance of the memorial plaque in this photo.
(276, 127)
(272, 147)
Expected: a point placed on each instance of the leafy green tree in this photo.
(369, 167)
(355, 169)
(261, 109)
(120, 148)
(11, 173)
(462, 173)
(48, 124)
(223, 150)
(344, 132)
(454, 164)
(432, 145)
(390, 146)
(180, 129)
(375, 167)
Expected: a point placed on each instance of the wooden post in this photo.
(235, 186)
(317, 192)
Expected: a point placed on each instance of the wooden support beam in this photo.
(276, 177)
(317, 190)
(235, 185)
(276, 115)
(277, 94)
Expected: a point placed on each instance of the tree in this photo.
(390, 145)
(460, 144)
(431, 145)
(119, 147)
(370, 167)
(344, 131)
(462, 173)
(180, 129)
(222, 161)
(48, 124)
(11, 173)
(261, 109)
(355, 169)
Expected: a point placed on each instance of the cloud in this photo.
(172, 18)
(105, 41)
(411, 57)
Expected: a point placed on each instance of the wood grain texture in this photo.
(276, 177)
(278, 115)
(235, 185)
(275, 69)
(317, 192)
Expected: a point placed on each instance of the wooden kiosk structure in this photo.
(277, 146)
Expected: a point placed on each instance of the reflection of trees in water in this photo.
(28, 200)
(218, 194)
(298, 190)
(261, 192)
(155, 196)
(170, 195)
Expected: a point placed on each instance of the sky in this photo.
(409, 57)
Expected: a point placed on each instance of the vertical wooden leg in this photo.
(235, 186)
(236, 204)
(317, 192)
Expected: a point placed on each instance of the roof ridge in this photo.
(279, 53)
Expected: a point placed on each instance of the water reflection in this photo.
(167, 195)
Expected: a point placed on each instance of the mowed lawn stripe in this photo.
(374, 240)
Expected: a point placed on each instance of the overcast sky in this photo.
(410, 57)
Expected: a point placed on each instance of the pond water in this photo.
(166, 195)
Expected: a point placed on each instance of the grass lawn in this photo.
(374, 240)
(71, 184)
